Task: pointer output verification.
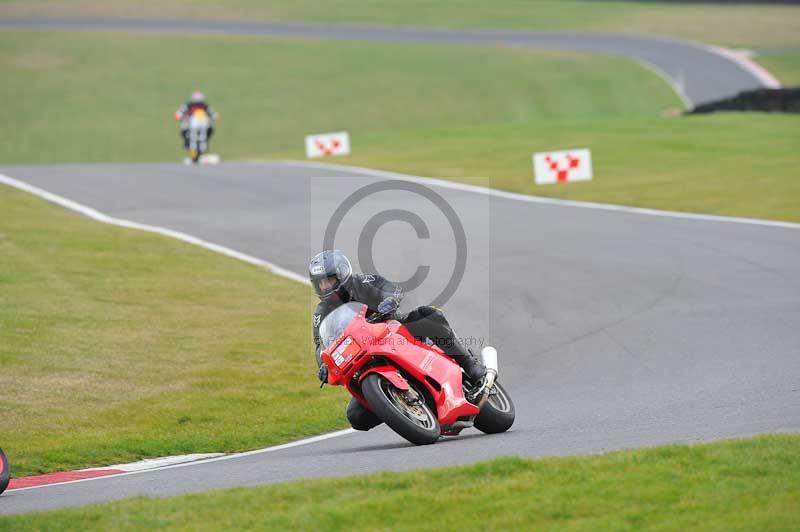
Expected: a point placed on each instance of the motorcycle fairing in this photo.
(390, 373)
(392, 342)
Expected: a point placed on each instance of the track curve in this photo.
(698, 73)
(615, 329)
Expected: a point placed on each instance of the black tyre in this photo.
(5, 472)
(416, 422)
(497, 414)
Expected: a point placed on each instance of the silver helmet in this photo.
(329, 272)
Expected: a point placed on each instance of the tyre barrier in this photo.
(767, 100)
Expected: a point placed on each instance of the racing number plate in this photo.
(345, 351)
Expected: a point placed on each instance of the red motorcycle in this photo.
(414, 387)
(5, 472)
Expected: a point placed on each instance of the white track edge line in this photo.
(533, 199)
(675, 84)
(281, 447)
(100, 217)
(751, 67)
(759, 72)
(747, 64)
(155, 463)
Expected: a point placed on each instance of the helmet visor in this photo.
(325, 286)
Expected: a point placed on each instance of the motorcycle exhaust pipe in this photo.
(489, 356)
(460, 425)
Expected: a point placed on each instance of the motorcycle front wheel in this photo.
(5, 472)
(414, 420)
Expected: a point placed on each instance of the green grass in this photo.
(752, 24)
(732, 164)
(455, 112)
(88, 97)
(749, 484)
(783, 64)
(117, 345)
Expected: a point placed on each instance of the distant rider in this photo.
(196, 101)
(335, 283)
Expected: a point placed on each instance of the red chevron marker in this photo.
(327, 144)
(562, 166)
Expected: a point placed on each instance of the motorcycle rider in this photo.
(335, 283)
(196, 101)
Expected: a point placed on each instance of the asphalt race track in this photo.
(615, 329)
(696, 73)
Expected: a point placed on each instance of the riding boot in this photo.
(429, 322)
(473, 366)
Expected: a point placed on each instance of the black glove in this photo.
(388, 306)
(323, 374)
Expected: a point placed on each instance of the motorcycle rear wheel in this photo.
(5, 472)
(497, 414)
(415, 422)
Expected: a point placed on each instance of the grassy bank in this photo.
(783, 64)
(90, 98)
(455, 112)
(741, 24)
(117, 345)
(736, 164)
(735, 485)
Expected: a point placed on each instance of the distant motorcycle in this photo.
(5, 472)
(199, 124)
(412, 386)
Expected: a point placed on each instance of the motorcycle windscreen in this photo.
(337, 321)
